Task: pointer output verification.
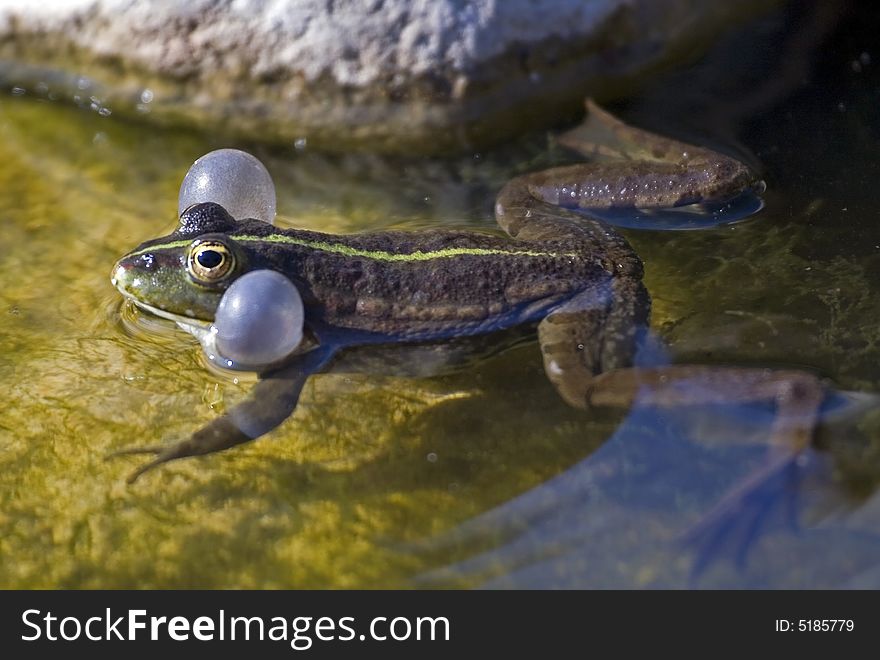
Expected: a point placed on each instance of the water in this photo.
(367, 485)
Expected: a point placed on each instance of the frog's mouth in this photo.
(203, 331)
(184, 322)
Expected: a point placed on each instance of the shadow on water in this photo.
(688, 217)
(625, 516)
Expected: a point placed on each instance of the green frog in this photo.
(423, 301)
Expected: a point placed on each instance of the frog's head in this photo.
(182, 276)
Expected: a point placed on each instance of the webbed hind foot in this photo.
(767, 500)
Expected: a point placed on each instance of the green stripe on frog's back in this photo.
(379, 255)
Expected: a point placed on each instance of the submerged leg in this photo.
(603, 377)
(271, 401)
(738, 517)
(588, 344)
(797, 396)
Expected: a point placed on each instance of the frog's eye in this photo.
(209, 261)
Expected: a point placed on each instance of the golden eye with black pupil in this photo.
(209, 261)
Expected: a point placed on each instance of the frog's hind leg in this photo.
(641, 170)
(737, 519)
(797, 396)
(526, 217)
(602, 376)
(602, 135)
(271, 401)
(597, 330)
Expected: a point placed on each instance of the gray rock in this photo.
(393, 75)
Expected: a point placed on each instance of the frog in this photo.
(445, 298)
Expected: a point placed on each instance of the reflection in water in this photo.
(691, 216)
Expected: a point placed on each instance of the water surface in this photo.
(347, 491)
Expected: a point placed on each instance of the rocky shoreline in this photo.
(390, 76)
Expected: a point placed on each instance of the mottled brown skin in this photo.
(583, 292)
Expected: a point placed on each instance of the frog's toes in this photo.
(130, 451)
(163, 453)
(743, 517)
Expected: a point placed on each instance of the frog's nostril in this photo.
(119, 274)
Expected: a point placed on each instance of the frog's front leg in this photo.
(272, 400)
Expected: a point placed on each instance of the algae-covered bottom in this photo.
(346, 492)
